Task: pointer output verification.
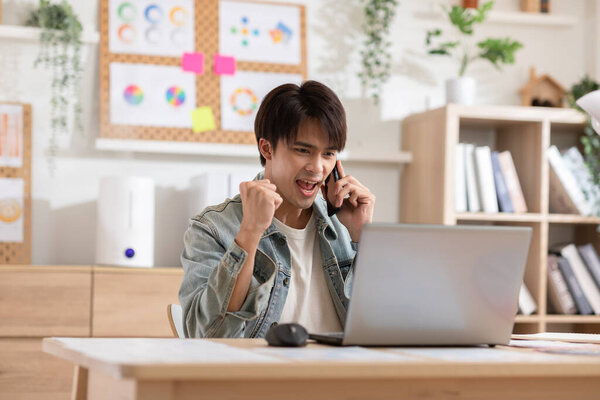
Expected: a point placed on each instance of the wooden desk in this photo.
(248, 369)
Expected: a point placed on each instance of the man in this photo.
(272, 254)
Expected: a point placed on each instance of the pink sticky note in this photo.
(224, 65)
(193, 62)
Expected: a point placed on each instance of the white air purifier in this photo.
(125, 222)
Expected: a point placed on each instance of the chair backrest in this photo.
(175, 315)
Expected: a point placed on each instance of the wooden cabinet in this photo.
(37, 302)
(45, 301)
(133, 302)
(427, 194)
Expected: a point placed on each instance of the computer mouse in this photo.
(287, 335)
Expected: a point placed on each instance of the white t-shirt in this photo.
(308, 301)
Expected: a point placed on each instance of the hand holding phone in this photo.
(331, 209)
(356, 200)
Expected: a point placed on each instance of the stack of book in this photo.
(572, 190)
(486, 181)
(574, 280)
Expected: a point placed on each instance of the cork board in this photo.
(20, 252)
(207, 85)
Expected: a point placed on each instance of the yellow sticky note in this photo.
(203, 119)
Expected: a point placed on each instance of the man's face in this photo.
(299, 169)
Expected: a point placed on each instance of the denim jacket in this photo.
(212, 260)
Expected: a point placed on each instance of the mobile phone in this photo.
(331, 210)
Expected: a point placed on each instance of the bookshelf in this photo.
(427, 193)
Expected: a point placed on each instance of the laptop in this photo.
(434, 285)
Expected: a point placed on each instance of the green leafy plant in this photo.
(375, 54)
(60, 50)
(590, 140)
(496, 51)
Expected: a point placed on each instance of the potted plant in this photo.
(60, 46)
(375, 54)
(496, 50)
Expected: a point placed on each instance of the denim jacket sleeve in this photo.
(350, 276)
(210, 272)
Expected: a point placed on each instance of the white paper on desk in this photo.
(560, 336)
(555, 347)
(136, 351)
(538, 344)
(344, 354)
(475, 354)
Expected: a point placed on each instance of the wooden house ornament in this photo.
(542, 91)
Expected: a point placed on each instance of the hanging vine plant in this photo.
(375, 54)
(60, 49)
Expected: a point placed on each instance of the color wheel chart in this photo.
(146, 95)
(15, 185)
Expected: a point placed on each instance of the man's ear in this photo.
(265, 148)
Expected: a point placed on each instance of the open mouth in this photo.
(307, 188)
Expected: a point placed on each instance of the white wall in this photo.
(64, 204)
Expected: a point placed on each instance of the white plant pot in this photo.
(460, 91)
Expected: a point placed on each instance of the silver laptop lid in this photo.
(436, 284)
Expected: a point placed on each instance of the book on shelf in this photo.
(592, 261)
(485, 179)
(588, 285)
(460, 179)
(565, 194)
(574, 161)
(504, 202)
(512, 182)
(527, 304)
(585, 280)
(581, 302)
(559, 297)
(473, 202)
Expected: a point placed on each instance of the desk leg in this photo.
(80, 383)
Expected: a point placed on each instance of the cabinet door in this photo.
(133, 303)
(28, 373)
(45, 301)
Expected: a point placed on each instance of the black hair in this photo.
(286, 107)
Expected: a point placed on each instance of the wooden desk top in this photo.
(199, 359)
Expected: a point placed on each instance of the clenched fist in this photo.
(259, 202)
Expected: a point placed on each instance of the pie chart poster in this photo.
(242, 93)
(151, 95)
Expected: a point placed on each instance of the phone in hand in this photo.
(331, 209)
